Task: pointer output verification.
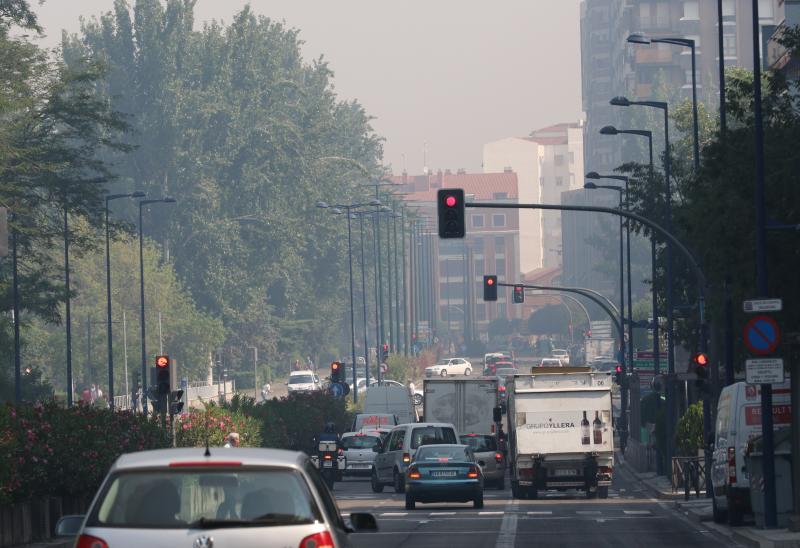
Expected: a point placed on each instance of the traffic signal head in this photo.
(618, 375)
(490, 288)
(519, 294)
(336, 372)
(162, 374)
(175, 403)
(452, 214)
(700, 364)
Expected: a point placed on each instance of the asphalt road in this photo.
(628, 518)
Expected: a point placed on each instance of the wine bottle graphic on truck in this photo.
(585, 430)
(598, 429)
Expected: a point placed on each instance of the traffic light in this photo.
(700, 365)
(490, 288)
(618, 375)
(175, 403)
(162, 375)
(519, 294)
(385, 353)
(452, 213)
(336, 372)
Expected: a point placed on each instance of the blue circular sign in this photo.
(336, 390)
(762, 335)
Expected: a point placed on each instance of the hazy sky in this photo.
(450, 73)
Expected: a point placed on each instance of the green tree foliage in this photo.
(550, 320)
(234, 123)
(189, 335)
(689, 432)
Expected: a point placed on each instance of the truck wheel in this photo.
(377, 486)
(590, 494)
(410, 502)
(399, 484)
(719, 515)
(443, 373)
(515, 492)
(602, 492)
(734, 513)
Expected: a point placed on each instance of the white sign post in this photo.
(764, 371)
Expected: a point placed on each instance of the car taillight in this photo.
(473, 472)
(406, 458)
(731, 465)
(413, 473)
(88, 541)
(498, 457)
(318, 540)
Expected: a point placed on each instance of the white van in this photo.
(739, 421)
(392, 400)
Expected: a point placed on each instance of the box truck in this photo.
(468, 404)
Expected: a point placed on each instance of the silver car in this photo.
(230, 497)
(358, 452)
(489, 457)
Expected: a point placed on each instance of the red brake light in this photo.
(204, 464)
(473, 472)
(498, 457)
(328, 456)
(731, 465)
(471, 435)
(88, 541)
(406, 458)
(619, 369)
(443, 459)
(318, 540)
(413, 473)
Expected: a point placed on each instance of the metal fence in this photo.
(688, 473)
(197, 391)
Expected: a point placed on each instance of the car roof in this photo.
(416, 424)
(444, 445)
(360, 433)
(247, 456)
(303, 372)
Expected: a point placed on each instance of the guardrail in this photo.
(688, 473)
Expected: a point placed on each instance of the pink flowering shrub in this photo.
(214, 424)
(49, 450)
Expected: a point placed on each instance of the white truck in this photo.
(391, 400)
(560, 432)
(468, 404)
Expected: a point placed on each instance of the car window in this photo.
(443, 454)
(173, 499)
(479, 443)
(396, 443)
(429, 435)
(360, 441)
(327, 500)
(300, 379)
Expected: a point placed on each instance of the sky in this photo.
(442, 76)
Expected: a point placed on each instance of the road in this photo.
(628, 518)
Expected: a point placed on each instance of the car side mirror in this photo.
(69, 526)
(363, 521)
(497, 414)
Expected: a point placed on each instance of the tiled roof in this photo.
(483, 186)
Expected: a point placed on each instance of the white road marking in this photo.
(389, 514)
(638, 512)
(442, 514)
(491, 513)
(508, 528)
(542, 513)
(588, 512)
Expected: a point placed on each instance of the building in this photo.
(491, 247)
(777, 56)
(547, 162)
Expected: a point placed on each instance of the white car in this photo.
(550, 362)
(451, 366)
(562, 355)
(358, 451)
(416, 393)
(225, 497)
(302, 382)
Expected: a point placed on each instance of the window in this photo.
(432, 435)
(500, 196)
(396, 443)
(765, 9)
(501, 311)
(500, 267)
(729, 9)
(477, 221)
(559, 159)
(691, 11)
(480, 311)
(571, 158)
(499, 220)
(559, 181)
(499, 245)
(729, 45)
(662, 15)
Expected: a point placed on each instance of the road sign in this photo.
(762, 335)
(764, 371)
(763, 305)
(337, 390)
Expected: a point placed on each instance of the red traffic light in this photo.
(162, 361)
(490, 281)
(700, 359)
(450, 200)
(335, 366)
(619, 369)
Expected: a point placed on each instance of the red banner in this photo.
(781, 414)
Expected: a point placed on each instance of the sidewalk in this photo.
(700, 510)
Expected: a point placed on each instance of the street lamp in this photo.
(143, 203)
(624, 102)
(110, 197)
(687, 43)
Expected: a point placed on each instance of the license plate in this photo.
(565, 473)
(444, 474)
(327, 464)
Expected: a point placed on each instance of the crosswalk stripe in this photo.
(588, 512)
(490, 513)
(543, 513)
(442, 514)
(638, 512)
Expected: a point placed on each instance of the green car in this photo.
(444, 473)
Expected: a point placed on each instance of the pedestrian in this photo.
(297, 365)
(135, 400)
(93, 393)
(233, 440)
(86, 396)
(265, 391)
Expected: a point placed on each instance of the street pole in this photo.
(352, 311)
(255, 374)
(770, 505)
(108, 316)
(406, 322)
(630, 292)
(397, 323)
(389, 288)
(68, 311)
(15, 306)
(377, 299)
(364, 297)
(694, 112)
(141, 314)
(623, 388)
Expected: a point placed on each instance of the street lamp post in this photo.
(143, 203)
(364, 295)
(109, 198)
(624, 102)
(687, 43)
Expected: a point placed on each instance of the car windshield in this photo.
(605, 366)
(177, 499)
(301, 379)
(480, 443)
(429, 435)
(458, 453)
(360, 441)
